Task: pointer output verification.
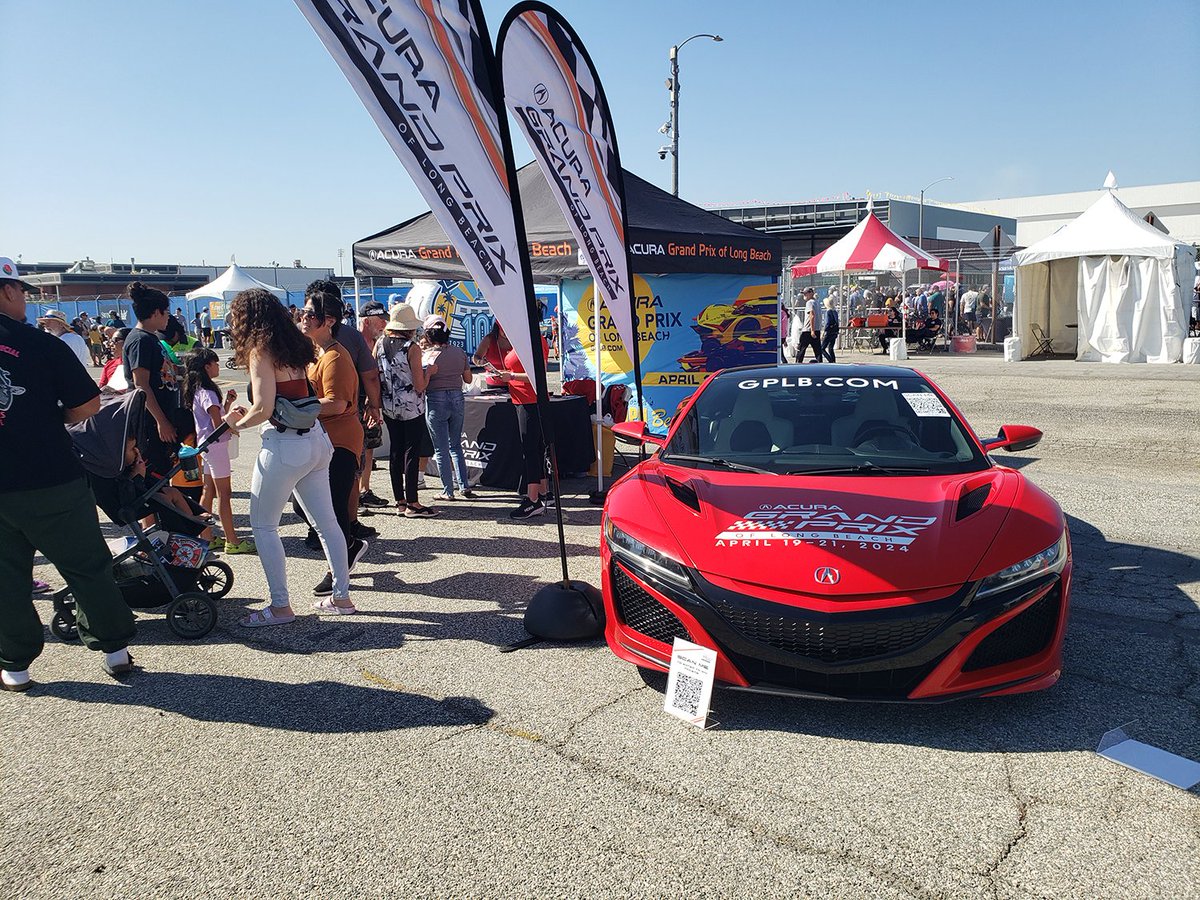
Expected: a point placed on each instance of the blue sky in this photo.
(176, 131)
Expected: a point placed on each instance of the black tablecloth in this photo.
(492, 440)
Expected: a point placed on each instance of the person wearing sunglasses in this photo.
(335, 380)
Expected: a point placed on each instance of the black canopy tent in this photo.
(666, 235)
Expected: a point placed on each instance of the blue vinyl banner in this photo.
(688, 326)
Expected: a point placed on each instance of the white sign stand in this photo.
(690, 682)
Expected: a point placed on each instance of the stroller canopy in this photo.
(100, 441)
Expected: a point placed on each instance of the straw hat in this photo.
(404, 318)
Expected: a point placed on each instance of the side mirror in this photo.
(1013, 437)
(635, 433)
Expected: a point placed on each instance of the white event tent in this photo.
(1108, 285)
(230, 283)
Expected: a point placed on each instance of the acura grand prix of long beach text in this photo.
(837, 531)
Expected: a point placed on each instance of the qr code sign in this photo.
(687, 694)
(927, 405)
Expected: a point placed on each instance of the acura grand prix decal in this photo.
(826, 525)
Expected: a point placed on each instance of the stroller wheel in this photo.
(63, 627)
(191, 616)
(215, 579)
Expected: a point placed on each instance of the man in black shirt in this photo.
(148, 369)
(45, 503)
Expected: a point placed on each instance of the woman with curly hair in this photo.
(277, 356)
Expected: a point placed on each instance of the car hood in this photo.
(882, 535)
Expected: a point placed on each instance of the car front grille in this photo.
(881, 684)
(639, 610)
(1027, 634)
(830, 638)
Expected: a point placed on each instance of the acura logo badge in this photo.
(827, 575)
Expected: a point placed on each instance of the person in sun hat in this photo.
(403, 380)
(45, 503)
(55, 322)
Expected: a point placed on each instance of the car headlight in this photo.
(1050, 560)
(644, 556)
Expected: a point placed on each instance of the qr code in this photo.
(687, 694)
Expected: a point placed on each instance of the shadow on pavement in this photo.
(321, 707)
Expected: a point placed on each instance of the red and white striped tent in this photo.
(870, 247)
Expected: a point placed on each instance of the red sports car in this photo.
(837, 531)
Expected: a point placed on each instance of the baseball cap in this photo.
(374, 308)
(9, 272)
(433, 322)
(809, 290)
(56, 314)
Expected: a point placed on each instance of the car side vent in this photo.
(972, 502)
(684, 493)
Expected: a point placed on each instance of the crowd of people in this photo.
(321, 392)
(924, 313)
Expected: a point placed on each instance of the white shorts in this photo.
(216, 460)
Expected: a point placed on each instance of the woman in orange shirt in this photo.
(335, 380)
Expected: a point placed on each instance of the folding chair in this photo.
(1045, 346)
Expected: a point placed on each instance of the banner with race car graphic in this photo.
(688, 326)
(555, 94)
(425, 71)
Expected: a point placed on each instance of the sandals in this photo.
(328, 606)
(417, 511)
(264, 618)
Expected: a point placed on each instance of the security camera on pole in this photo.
(672, 127)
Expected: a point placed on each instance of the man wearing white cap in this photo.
(55, 322)
(45, 503)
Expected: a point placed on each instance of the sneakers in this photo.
(369, 500)
(420, 479)
(363, 532)
(15, 681)
(40, 587)
(419, 512)
(117, 663)
(357, 551)
(528, 509)
(312, 540)
(354, 553)
(246, 545)
(469, 494)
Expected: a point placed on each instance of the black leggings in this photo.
(406, 436)
(533, 445)
(343, 479)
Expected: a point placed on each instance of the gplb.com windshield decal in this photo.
(834, 381)
(827, 525)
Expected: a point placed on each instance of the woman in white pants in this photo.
(277, 354)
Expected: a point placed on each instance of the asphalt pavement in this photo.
(400, 752)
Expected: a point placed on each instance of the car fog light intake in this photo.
(1051, 560)
(643, 556)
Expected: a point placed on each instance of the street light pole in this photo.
(341, 253)
(921, 211)
(673, 84)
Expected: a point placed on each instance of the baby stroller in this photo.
(169, 566)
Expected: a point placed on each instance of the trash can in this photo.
(963, 343)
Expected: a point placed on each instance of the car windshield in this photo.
(790, 422)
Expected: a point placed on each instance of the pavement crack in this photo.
(570, 733)
(1020, 832)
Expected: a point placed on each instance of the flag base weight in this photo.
(558, 612)
(597, 498)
